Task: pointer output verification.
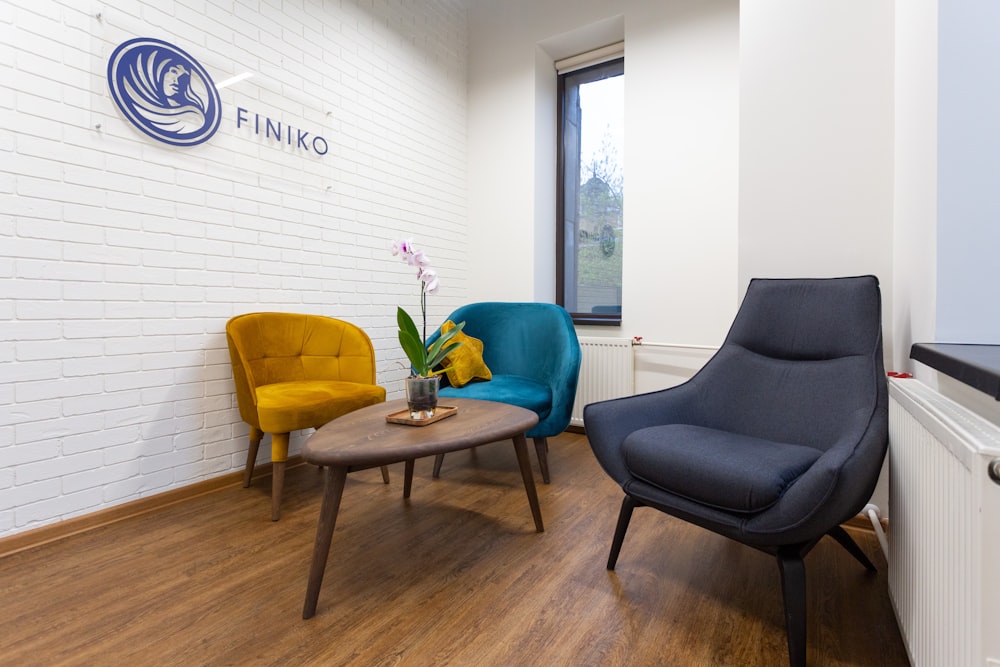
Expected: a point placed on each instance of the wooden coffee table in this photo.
(363, 439)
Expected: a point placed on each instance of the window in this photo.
(590, 199)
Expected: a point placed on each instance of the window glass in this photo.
(592, 189)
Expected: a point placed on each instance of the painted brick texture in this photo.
(121, 258)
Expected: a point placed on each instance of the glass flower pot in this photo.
(422, 396)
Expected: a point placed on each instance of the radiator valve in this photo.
(993, 470)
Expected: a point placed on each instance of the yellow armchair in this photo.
(294, 372)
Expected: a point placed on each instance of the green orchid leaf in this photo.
(406, 323)
(441, 354)
(445, 337)
(422, 359)
(411, 342)
(440, 348)
(414, 350)
(442, 340)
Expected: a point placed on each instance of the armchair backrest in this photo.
(266, 348)
(802, 363)
(529, 339)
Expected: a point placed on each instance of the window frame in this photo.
(605, 319)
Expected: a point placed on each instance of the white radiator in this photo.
(606, 371)
(944, 528)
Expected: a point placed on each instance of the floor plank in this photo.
(456, 575)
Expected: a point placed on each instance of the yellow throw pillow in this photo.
(466, 362)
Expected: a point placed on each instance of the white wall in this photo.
(968, 112)
(121, 258)
(946, 198)
(681, 104)
(915, 168)
(816, 141)
(758, 143)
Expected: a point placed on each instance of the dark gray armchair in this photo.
(775, 442)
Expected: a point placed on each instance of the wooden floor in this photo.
(454, 576)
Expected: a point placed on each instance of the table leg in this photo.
(407, 478)
(333, 491)
(521, 448)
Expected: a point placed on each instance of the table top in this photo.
(365, 438)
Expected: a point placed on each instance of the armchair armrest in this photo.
(608, 423)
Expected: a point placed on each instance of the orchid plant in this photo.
(414, 342)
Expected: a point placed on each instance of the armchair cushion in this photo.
(728, 471)
(517, 390)
(289, 406)
(466, 362)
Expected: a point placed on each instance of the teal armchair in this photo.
(534, 355)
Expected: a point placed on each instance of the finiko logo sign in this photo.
(164, 92)
(167, 95)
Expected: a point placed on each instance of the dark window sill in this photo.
(615, 321)
(975, 365)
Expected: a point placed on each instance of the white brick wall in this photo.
(122, 258)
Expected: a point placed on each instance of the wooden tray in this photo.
(403, 416)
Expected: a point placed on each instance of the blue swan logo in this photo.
(164, 92)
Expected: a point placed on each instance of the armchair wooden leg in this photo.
(542, 449)
(279, 457)
(385, 474)
(277, 487)
(624, 516)
(255, 437)
(793, 588)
